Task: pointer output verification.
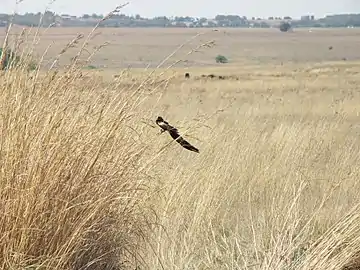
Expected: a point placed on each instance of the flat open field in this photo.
(141, 47)
(88, 180)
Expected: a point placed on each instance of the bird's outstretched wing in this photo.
(176, 136)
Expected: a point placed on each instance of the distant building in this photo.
(65, 17)
(308, 18)
(210, 23)
(305, 18)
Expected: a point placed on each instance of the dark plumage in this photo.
(174, 133)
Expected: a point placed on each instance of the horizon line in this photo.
(199, 17)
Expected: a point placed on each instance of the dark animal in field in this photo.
(219, 77)
(187, 75)
(174, 133)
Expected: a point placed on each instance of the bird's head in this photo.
(159, 119)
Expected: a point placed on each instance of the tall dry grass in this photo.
(285, 199)
(72, 193)
(275, 185)
(86, 183)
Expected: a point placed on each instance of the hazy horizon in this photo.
(200, 8)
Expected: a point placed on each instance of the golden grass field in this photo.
(141, 47)
(87, 181)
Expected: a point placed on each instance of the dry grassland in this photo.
(141, 47)
(87, 182)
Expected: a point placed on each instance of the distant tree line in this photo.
(122, 20)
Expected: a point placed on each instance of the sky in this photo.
(194, 8)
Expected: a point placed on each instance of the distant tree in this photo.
(49, 13)
(271, 18)
(86, 16)
(49, 18)
(221, 59)
(287, 18)
(202, 20)
(220, 17)
(159, 21)
(182, 19)
(285, 27)
(189, 19)
(234, 18)
(4, 20)
(161, 18)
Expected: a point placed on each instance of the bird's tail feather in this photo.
(191, 148)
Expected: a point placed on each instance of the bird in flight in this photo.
(174, 133)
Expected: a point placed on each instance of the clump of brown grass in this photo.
(70, 193)
(72, 196)
(74, 184)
